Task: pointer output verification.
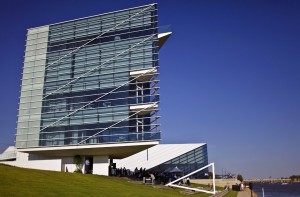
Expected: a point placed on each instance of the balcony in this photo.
(164, 33)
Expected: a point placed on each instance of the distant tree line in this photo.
(295, 178)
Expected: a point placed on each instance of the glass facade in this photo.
(188, 162)
(91, 81)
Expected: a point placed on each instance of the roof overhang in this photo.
(156, 155)
(114, 150)
(147, 108)
(162, 38)
(143, 74)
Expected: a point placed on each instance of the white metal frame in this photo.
(144, 109)
(151, 70)
(172, 184)
(91, 40)
(94, 16)
(97, 67)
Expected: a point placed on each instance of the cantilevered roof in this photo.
(156, 155)
(162, 38)
(113, 150)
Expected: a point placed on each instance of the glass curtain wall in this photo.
(188, 162)
(88, 91)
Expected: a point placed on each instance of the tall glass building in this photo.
(91, 81)
(90, 89)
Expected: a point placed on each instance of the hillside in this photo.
(27, 182)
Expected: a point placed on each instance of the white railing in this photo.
(173, 183)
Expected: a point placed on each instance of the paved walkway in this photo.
(245, 193)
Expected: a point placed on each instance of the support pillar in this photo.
(101, 165)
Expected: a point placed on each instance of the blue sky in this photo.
(230, 75)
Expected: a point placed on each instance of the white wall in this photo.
(28, 127)
(100, 163)
(35, 162)
(67, 163)
(100, 166)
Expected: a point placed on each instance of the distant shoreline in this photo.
(270, 180)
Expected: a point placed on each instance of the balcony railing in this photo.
(101, 139)
(164, 29)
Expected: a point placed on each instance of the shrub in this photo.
(78, 161)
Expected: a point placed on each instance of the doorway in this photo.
(88, 165)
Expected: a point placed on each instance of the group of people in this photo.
(123, 172)
(164, 178)
(152, 176)
(149, 176)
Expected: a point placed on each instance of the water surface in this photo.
(277, 189)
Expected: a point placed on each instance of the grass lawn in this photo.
(230, 194)
(27, 182)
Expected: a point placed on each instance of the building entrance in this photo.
(88, 163)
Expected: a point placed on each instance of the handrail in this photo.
(164, 29)
(172, 184)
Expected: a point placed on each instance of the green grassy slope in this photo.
(27, 182)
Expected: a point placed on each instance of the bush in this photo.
(78, 161)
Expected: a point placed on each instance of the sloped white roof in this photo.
(8, 154)
(10, 149)
(156, 155)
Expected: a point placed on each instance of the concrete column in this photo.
(101, 165)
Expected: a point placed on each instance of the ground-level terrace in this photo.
(105, 159)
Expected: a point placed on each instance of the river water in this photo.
(277, 189)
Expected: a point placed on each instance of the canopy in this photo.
(175, 170)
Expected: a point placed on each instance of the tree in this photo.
(240, 177)
(295, 178)
(78, 161)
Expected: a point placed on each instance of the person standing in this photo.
(152, 178)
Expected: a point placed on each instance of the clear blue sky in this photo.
(230, 75)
